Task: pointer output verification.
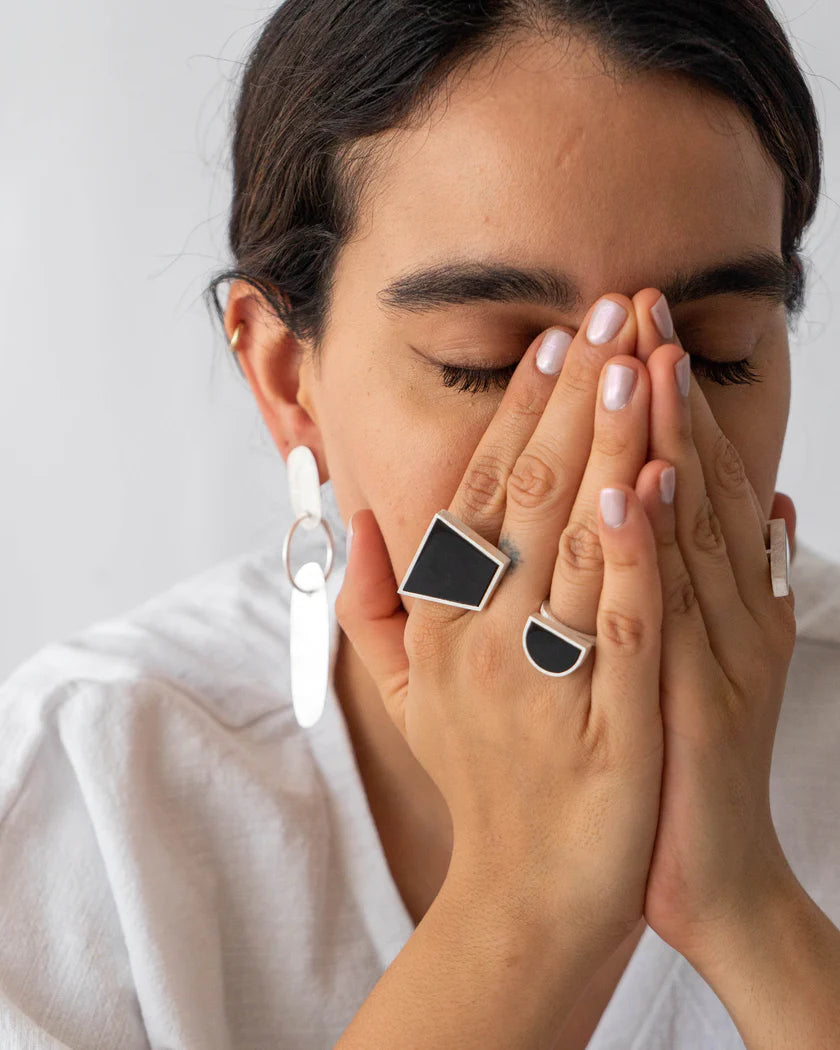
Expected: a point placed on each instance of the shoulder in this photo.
(224, 628)
(150, 763)
(54, 876)
(207, 657)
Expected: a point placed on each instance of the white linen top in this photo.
(183, 867)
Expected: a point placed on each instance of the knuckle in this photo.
(528, 402)
(421, 639)
(484, 487)
(531, 481)
(580, 549)
(680, 597)
(729, 467)
(707, 533)
(580, 380)
(625, 632)
(627, 561)
(610, 441)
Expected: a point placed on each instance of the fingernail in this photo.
(613, 506)
(667, 484)
(349, 535)
(552, 351)
(662, 318)
(682, 370)
(619, 383)
(606, 322)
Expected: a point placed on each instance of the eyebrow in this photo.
(757, 275)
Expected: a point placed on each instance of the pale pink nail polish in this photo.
(553, 350)
(667, 484)
(682, 370)
(606, 322)
(662, 318)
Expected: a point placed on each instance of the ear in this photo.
(279, 371)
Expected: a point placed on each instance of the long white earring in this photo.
(309, 623)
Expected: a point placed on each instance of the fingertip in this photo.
(358, 527)
(656, 487)
(614, 506)
(645, 299)
(667, 485)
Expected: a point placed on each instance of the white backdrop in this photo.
(132, 454)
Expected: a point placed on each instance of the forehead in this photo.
(541, 155)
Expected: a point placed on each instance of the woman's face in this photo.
(540, 159)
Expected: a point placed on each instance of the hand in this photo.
(552, 782)
(727, 643)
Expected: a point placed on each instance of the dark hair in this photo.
(326, 74)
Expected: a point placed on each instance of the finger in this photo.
(686, 650)
(736, 504)
(651, 305)
(370, 613)
(710, 553)
(738, 508)
(546, 478)
(626, 670)
(619, 449)
(532, 480)
(480, 499)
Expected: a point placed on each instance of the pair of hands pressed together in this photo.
(637, 786)
(725, 648)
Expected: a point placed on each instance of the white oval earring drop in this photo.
(309, 622)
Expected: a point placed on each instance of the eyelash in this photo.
(479, 380)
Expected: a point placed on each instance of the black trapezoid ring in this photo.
(553, 647)
(454, 565)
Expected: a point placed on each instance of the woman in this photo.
(449, 223)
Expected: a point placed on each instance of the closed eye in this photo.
(479, 380)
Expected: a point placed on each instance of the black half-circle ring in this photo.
(553, 647)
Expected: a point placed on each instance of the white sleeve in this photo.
(65, 974)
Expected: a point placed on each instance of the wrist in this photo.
(525, 911)
(774, 902)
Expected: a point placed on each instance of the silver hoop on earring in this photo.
(330, 550)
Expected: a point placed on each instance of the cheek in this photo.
(419, 477)
(403, 452)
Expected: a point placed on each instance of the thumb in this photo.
(370, 613)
